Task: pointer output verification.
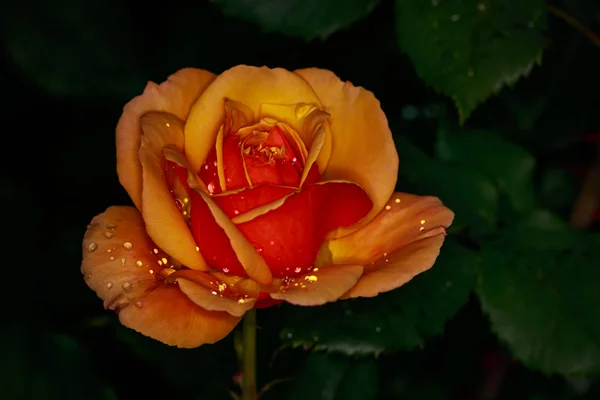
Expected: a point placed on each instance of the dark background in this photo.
(67, 69)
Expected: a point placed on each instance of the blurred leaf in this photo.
(400, 319)
(206, 370)
(508, 165)
(39, 365)
(469, 193)
(470, 49)
(335, 377)
(74, 48)
(539, 285)
(307, 19)
(557, 189)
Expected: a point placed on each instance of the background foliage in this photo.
(494, 107)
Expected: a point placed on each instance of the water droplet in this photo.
(123, 261)
(139, 304)
(423, 222)
(387, 260)
(112, 258)
(272, 242)
(126, 286)
(164, 260)
(88, 276)
(109, 285)
(112, 227)
(197, 248)
(151, 271)
(421, 229)
(127, 246)
(206, 167)
(139, 263)
(242, 197)
(289, 335)
(397, 201)
(298, 269)
(236, 212)
(384, 254)
(92, 247)
(155, 251)
(214, 292)
(481, 7)
(260, 249)
(455, 17)
(108, 235)
(226, 270)
(377, 329)
(388, 208)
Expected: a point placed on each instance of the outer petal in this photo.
(164, 222)
(250, 86)
(396, 269)
(174, 96)
(405, 218)
(120, 264)
(363, 150)
(322, 286)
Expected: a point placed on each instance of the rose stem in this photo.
(249, 356)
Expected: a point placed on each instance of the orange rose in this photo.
(253, 187)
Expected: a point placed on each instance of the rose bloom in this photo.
(250, 188)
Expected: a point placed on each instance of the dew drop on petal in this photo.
(109, 285)
(272, 242)
(298, 269)
(139, 263)
(127, 246)
(112, 227)
(289, 335)
(127, 286)
(236, 212)
(112, 258)
(139, 304)
(226, 270)
(108, 235)
(123, 261)
(92, 247)
(377, 329)
(388, 208)
(397, 201)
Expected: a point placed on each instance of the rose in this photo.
(253, 187)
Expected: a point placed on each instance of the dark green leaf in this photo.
(470, 194)
(539, 285)
(328, 376)
(401, 319)
(509, 166)
(307, 19)
(73, 48)
(39, 365)
(470, 49)
(558, 189)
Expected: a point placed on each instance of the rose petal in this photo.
(117, 257)
(212, 300)
(175, 96)
(250, 86)
(394, 270)
(405, 218)
(114, 247)
(321, 286)
(290, 230)
(363, 150)
(168, 315)
(254, 265)
(164, 222)
(241, 201)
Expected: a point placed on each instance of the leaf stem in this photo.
(249, 356)
(574, 22)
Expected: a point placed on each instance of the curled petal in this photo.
(394, 270)
(405, 218)
(120, 263)
(321, 286)
(175, 96)
(250, 86)
(363, 150)
(164, 222)
(168, 315)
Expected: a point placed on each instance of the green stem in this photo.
(249, 356)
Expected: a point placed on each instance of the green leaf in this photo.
(307, 19)
(508, 165)
(400, 319)
(74, 48)
(539, 286)
(328, 376)
(470, 49)
(470, 194)
(44, 365)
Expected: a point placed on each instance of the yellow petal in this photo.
(212, 300)
(251, 86)
(175, 96)
(363, 150)
(254, 265)
(394, 270)
(404, 219)
(320, 287)
(164, 222)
